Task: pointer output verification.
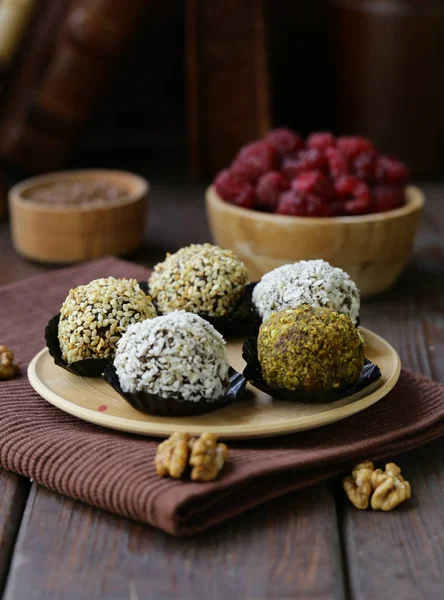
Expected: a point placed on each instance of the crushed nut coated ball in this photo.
(204, 455)
(358, 487)
(390, 488)
(311, 348)
(172, 456)
(207, 457)
(8, 368)
(386, 488)
(199, 278)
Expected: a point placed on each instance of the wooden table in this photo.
(312, 544)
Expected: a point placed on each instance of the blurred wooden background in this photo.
(187, 81)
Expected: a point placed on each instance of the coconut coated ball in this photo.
(179, 355)
(313, 282)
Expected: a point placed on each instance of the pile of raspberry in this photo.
(321, 176)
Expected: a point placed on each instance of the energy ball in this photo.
(313, 282)
(179, 355)
(199, 278)
(94, 316)
(310, 348)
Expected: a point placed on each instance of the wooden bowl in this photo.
(57, 234)
(372, 249)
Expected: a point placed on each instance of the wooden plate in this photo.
(258, 415)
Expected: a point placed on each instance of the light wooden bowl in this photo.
(54, 234)
(372, 249)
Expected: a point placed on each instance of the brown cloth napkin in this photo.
(115, 471)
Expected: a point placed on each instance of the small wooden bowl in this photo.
(372, 249)
(57, 234)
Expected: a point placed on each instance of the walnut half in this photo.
(204, 455)
(172, 456)
(386, 488)
(390, 488)
(358, 487)
(207, 457)
(8, 368)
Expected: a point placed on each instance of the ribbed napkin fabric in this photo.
(115, 471)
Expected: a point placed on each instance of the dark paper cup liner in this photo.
(90, 367)
(144, 287)
(237, 324)
(253, 373)
(255, 318)
(176, 407)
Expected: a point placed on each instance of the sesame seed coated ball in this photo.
(199, 278)
(94, 316)
(313, 282)
(315, 349)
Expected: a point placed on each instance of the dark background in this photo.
(368, 67)
(372, 67)
(144, 106)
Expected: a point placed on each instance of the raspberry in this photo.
(321, 140)
(246, 198)
(386, 197)
(362, 192)
(355, 195)
(234, 189)
(253, 160)
(305, 160)
(390, 170)
(337, 208)
(345, 186)
(337, 163)
(358, 206)
(309, 205)
(291, 203)
(313, 182)
(316, 207)
(351, 146)
(284, 140)
(364, 165)
(269, 189)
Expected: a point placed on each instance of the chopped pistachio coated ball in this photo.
(199, 278)
(315, 349)
(94, 316)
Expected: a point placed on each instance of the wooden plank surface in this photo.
(13, 495)
(401, 554)
(287, 549)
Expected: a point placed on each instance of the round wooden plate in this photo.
(258, 415)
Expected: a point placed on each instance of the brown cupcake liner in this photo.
(89, 367)
(238, 324)
(255, 318)
(154, 404)
(253, 373)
